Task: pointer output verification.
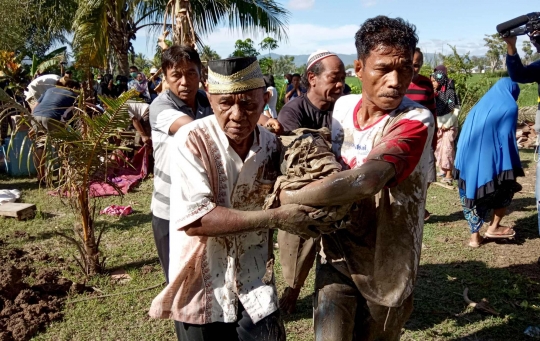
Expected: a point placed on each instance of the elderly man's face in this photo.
(328, 86)
(385, 74)
(183, 80)
(237, 114)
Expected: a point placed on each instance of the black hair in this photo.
(134, 67)
(72, 84)
(316, 69)
(296, 75)
(69, 72)
(122, 78)
(179, 54)
(269, 80)
(389, 32)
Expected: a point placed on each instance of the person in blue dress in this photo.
(487, 161)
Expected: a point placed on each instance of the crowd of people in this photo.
(220, 150)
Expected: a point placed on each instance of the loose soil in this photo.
(30, 299)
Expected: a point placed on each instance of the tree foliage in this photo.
(244, 48)
(283, 65)
(207, 54)
(31, 27)
(496, 51)
(269, 44)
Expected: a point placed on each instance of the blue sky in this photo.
(331, 24)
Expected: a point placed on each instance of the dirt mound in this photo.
(26, 308)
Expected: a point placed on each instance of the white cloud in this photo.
(301, 4)
(369, 3)
(303, 39)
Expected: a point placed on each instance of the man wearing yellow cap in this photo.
(221, 284)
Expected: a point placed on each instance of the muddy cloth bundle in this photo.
(306, 157)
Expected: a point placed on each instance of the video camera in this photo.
(525, 24)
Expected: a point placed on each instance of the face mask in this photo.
(133, 75)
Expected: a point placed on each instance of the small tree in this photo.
(496, 51)
(269, 44)
(244, 48)
(527, 52)
(84, 152)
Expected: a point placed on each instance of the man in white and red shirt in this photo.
(366, 272)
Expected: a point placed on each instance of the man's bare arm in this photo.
(344, 187)
(179, 123)
(222, 221)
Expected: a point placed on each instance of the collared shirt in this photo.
(164, 111)
(301, 113)
(381, 251)
(210, 275)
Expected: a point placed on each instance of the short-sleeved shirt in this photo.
(301, 113)
(138, 110)
(55, 102)
(381, 251)
(164, 111)
(210, 275)
(38, 86)
(421, 91)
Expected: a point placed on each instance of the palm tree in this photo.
(82, 155)
(104, 25)
(269, 44)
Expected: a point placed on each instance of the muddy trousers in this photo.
(341, 313)
(160, 227)
(268, 329)
(296, 256)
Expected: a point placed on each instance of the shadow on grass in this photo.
(438, 298)
(134, 265)
(131, 221)
(304, 310)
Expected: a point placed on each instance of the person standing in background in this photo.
(421, 91)
(448, 103)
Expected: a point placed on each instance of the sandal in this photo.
(447, 181)
(427, 215)
(501, 236)
(475, 244)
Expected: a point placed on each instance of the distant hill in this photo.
(348, 59)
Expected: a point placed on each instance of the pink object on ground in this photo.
(117, 210)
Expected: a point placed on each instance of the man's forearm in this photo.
(222, 221)
(138, 126)
(344, 187)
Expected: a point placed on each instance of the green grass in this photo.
(506, 274)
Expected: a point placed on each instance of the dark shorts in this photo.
(268, 329)
(341, 312)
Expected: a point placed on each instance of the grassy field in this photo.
(508, 275)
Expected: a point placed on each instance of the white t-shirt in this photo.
(38, 86)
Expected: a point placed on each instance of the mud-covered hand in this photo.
(296, 219)
(274, 126)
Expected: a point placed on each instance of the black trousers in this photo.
(268, 329)
(161, 237)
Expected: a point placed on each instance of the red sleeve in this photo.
(402, 146)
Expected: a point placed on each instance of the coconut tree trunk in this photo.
(90, 246)
(123, 63)
(183, 33)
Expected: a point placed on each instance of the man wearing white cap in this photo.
(153, 83)
(325, 81)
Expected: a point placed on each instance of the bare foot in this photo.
(287, 303)
(476, 240)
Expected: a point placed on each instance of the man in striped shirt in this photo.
(174, 108)
(421, 91)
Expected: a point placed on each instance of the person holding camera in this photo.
(526, 74)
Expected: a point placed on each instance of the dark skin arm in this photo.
(138, 126)
(344, 187)
(222, 221)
